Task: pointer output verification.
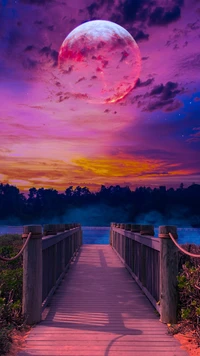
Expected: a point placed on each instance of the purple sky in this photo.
(53, 137)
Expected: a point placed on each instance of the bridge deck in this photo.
(100, 311)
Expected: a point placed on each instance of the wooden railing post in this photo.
(50, 229)
(135, 228)
(32, 275)
(147, 230)
(111, 233)
(168, 275)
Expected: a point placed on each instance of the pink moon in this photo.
(99, 61)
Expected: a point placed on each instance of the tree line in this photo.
(42, 205)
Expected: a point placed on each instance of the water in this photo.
(100, 235)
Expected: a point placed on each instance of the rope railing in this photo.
(5, 259)
(182, 249)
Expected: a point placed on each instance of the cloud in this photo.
(161, 17)
(144, 84)
(50, 54)
(92, 9)
(30, 64)
(166, 91)
(132, 10)
(190, 62)
(157, 105)
(161, 96)
(195, 137)
(141, 36)
(175, 105)
(29, 48)
(37, 2)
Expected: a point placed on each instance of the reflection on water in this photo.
(100, 235)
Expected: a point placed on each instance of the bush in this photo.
(10, 290)
(5, 340)
(189, 293)
(189, 297)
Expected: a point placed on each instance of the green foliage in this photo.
(11, 280)
(189, 293)
(10, 290)
(5, 340)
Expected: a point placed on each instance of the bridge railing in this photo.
(45, 261)
(153, 263)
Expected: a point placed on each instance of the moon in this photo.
(99, 61)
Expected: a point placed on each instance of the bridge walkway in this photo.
(99, 310)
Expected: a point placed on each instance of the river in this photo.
(100, 235)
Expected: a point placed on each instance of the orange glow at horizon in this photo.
(89, 172)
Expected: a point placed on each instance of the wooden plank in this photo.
(99, 310)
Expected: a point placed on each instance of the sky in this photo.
(53, 136)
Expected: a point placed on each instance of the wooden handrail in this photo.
(45, 261)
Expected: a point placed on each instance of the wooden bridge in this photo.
(100, 308)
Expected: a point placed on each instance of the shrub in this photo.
(10, 290)
(5, 340)
(189, 298)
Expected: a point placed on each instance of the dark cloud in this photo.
(167, 105)
(177, 104)
(138, 34)
(92, 9)
(179, 2)
(159, 104)
(141, 36)
(50, 53)
(162, 97)
(165, 91)
(157, 89)
(161, 17)
(29, 48)
(29, 63)
(144, 84)
(37, 2)
(131, 10)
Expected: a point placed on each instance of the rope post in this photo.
(32, 275)
(168, 275)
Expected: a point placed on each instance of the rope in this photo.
(19, 253)
(182, 249)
